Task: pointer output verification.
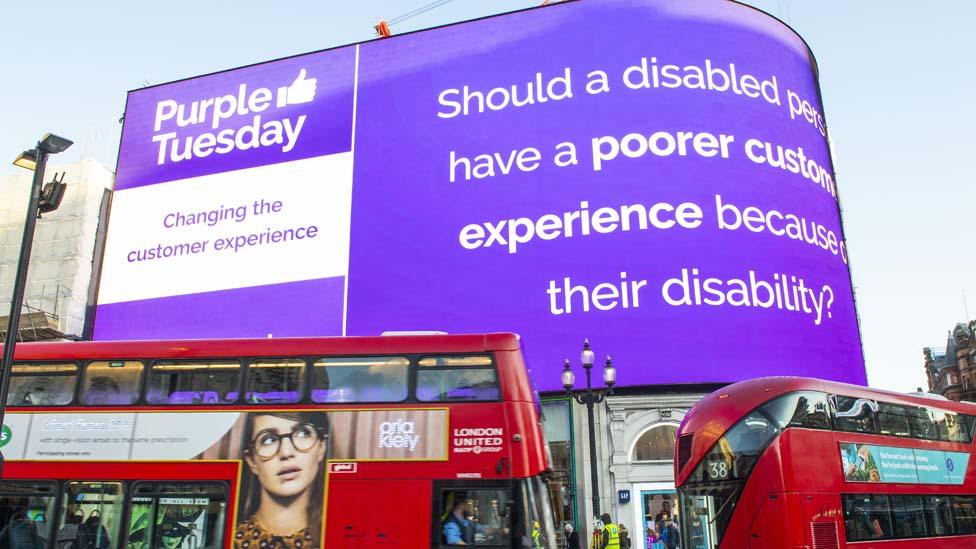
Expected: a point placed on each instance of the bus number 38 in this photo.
(718, 470)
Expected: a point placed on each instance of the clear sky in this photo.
(897, 79)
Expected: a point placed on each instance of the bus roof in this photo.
(715, 414)
(190, 348)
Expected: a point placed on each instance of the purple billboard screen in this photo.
(654, 176)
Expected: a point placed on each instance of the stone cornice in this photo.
(653, 402)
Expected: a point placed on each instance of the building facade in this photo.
(951, 371)
(635, 437)
(66, 251)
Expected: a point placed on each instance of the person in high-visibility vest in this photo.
(610, 539)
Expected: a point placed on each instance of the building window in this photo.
(656, 444)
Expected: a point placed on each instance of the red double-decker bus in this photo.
(791, 463)
(399, 441)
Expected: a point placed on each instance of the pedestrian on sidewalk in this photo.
(572, 537)
(610, 537)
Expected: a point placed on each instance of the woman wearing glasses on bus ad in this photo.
(284, 480)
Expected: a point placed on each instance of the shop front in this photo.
(657, 500)
(642, 438)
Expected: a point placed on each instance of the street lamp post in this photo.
(590, 397)
(43, 199)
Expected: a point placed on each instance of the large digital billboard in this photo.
(652, 175)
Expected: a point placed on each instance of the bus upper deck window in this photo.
(856, 415)
(806, 409)
(193, 382)
(275, 381)
(964, 427)
(457, 378)
(360, 379)
(42, 384)
(923, 424)
(112, 383)
(893, 420)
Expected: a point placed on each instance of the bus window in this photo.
(922, 424)
(457, 378)
(909, 516)
(26, 513)
(275, 381)
(867, 517)
(112, 382)
(91, 515)
(706, 511)
(360, 379)
(193, 382)
(475, 517)
(941, 422)
(967, 424)
(964, 514)
(42, 384)
(804, 409)
(736, 453)
(938, 516)
(960, 427)
(893, 420)
(177, 515)
(855, 415)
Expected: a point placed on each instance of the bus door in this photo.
(771, 527)
(376, 513)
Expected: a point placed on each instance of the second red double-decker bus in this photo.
(401, 441)
(790, 463)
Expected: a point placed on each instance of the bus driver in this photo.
(458, 528)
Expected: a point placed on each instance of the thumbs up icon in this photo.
(302, 90)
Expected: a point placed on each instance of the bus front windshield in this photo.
(708, 497)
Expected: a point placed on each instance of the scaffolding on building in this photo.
(40, 318)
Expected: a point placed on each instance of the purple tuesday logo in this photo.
(261, 130)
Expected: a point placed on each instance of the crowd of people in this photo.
(459, 527)
(663, 534)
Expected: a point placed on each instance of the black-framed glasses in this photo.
(303, 438)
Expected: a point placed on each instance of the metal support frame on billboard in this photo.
(42, 200)
(590, 397)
